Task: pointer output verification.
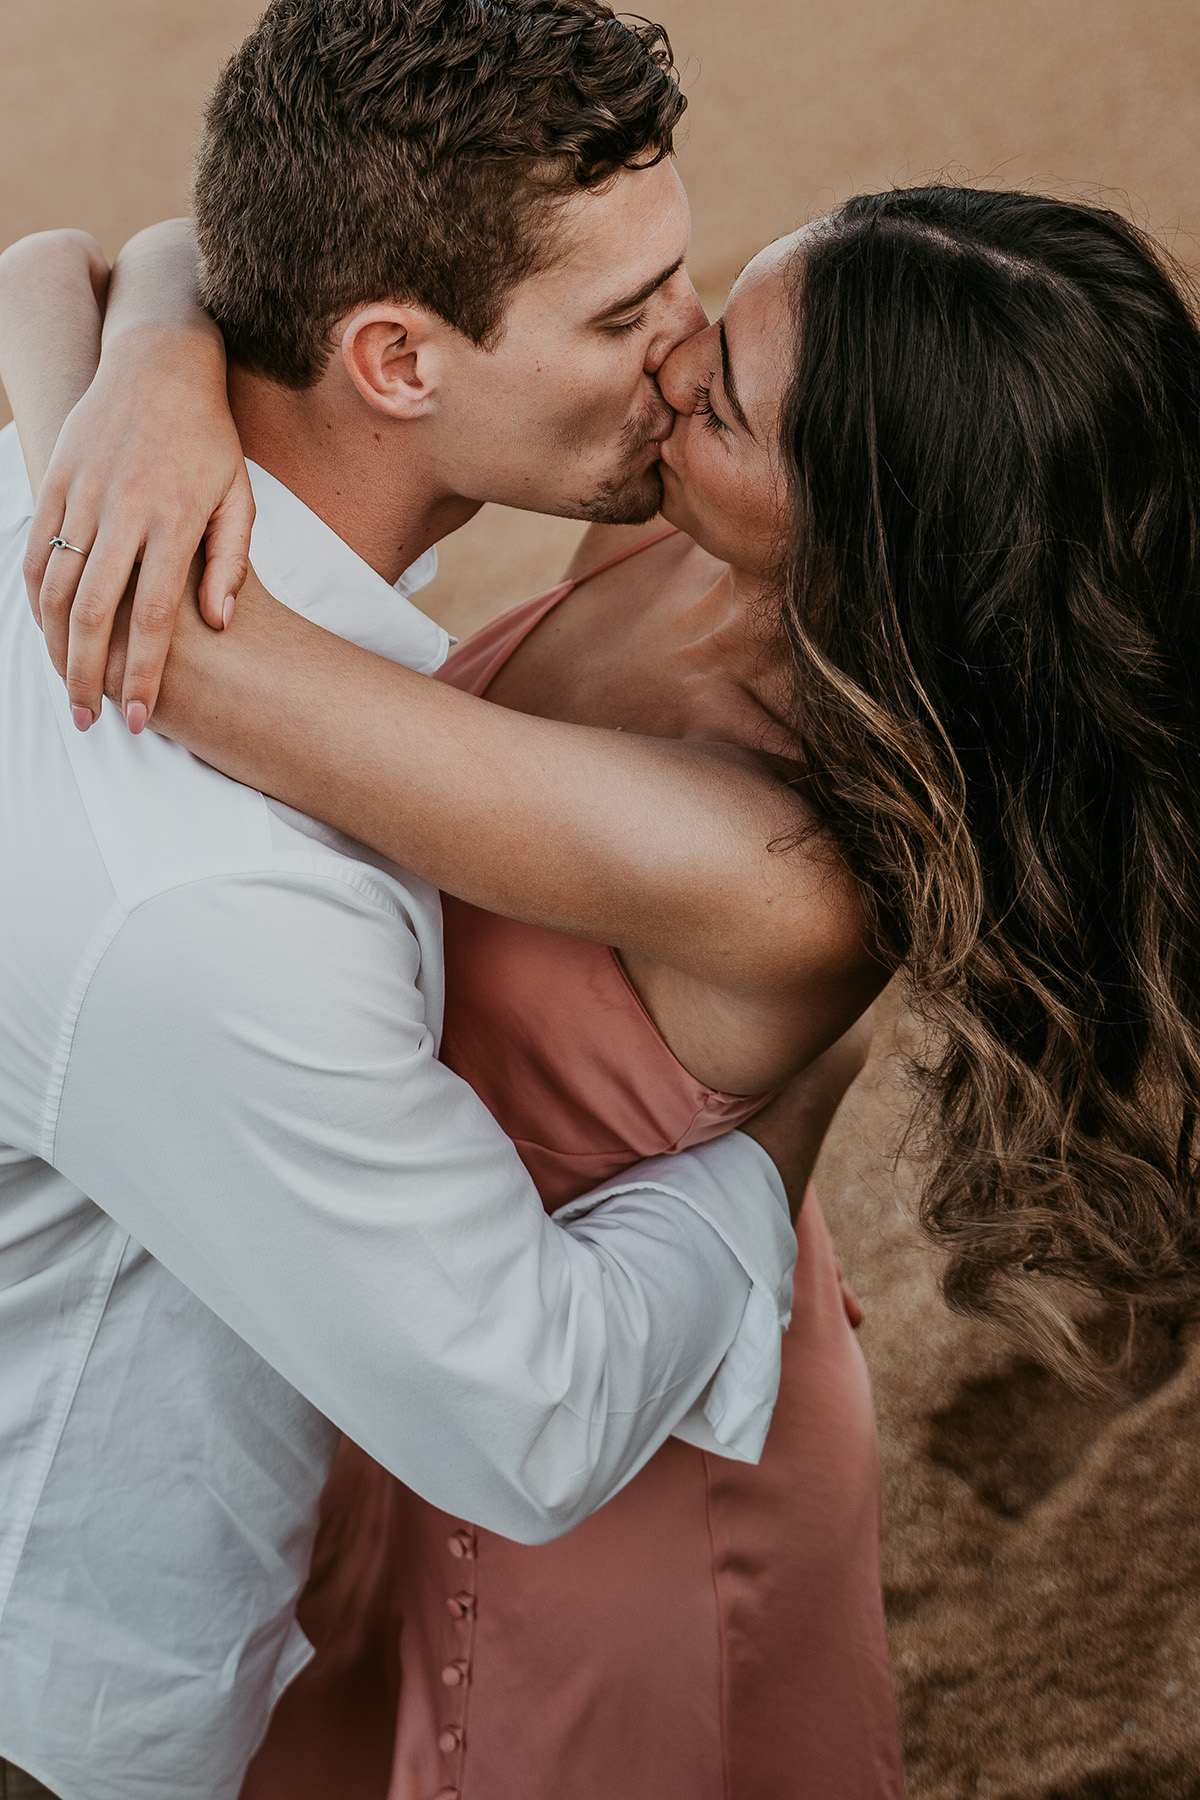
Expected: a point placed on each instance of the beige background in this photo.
(1042, 1553)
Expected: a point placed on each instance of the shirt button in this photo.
(462, 1544)
(450, 1740)
(446, 1794)
(454, 1674)
(461, 1606)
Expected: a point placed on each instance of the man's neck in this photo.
(350, 468)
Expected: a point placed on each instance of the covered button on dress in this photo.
(715, 1631)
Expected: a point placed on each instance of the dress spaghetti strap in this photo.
(474, 663)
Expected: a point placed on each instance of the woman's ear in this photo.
(390, 353)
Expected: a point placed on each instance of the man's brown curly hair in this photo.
(360, 150)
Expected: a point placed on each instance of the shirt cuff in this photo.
(735, 1187)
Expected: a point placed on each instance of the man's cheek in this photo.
(591, 429)
(608, 392)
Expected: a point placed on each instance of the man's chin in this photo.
(631, 502)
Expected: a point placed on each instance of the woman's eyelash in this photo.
(704, 408)
(633, 324)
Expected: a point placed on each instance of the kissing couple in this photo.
(489, 1217)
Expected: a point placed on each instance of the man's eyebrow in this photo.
(643, 293)
(735, 405)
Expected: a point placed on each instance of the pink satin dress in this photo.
(715, 1632)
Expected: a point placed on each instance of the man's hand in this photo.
(792, 1127)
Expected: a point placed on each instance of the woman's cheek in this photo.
(718, 479)
(750, 506)
(732, 492)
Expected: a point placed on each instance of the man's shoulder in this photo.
(16, 495)
(122, 820)
(164, 821)
(155, 817)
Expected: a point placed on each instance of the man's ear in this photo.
(391, 353)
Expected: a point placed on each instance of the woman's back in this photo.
(584, 1084)
(718, 1626)
(659, 640)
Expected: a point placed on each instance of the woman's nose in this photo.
(678, 378)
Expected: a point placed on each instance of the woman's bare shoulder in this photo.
(802, 908)
(795, 965)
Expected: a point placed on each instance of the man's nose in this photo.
(682, 317)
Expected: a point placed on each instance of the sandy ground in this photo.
(1042, 1553)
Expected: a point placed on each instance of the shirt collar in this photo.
(310, 568)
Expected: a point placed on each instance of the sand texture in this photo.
(1042, 1552)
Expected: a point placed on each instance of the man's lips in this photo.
(652, 435)
(650, 442)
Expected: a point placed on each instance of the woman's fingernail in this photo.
(227, 610)
(83, 718)
(136, 716)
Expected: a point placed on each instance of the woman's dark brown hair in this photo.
(993, 444)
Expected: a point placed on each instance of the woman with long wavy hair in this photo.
(993, 598)
(936, 477)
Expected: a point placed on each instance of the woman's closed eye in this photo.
(705, 409)
(629, 325)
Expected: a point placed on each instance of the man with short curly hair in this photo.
(472, 160)
(241, 1202)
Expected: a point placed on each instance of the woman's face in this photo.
(721, 474)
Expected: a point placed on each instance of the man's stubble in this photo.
(634, 494)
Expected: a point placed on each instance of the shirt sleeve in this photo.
(252, 1093)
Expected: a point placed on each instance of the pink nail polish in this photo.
(227, 610)
(136, 716)
(83, 718)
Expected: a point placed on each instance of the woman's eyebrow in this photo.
(650, 287)
(735, 405)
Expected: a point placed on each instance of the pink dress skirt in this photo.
(715, 1632)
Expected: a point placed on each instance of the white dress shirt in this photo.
(242, 1206)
